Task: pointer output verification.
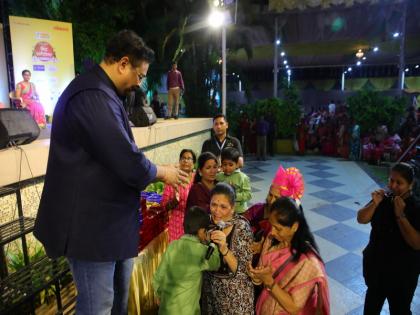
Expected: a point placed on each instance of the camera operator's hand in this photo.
(378, 196)
(219, 238)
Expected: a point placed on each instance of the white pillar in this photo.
(224, 70)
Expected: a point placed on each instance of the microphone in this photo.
(210, 250)
(219, 226)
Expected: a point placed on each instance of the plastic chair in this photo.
(16, 101)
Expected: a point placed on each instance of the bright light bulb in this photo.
(396, 34)
(358, 63)
(406, 69)
(287, 67)
(375, 49)
(349, 69)
(289, 72)
(364, 58)
(282, 54)
(285, 62)
(216, 19)
(417, 66)
(278, 42)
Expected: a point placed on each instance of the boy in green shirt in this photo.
(177, 281)
(233, 176)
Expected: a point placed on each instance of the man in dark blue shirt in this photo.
(89, 210)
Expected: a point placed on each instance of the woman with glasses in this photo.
(175, 200)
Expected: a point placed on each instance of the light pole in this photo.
(217, 19)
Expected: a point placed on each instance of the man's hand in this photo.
(172, 175)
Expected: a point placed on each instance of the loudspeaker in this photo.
(17, 126)
(142, 116)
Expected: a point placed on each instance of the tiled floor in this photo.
(334, 190)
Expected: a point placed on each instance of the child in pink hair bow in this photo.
(289, 182)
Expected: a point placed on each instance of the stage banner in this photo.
(4, 85)
(46, 49)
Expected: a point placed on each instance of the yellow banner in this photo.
(46, 49)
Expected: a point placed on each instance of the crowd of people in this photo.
(223, 258)
(332, 132)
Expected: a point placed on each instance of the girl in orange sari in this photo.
(290, 268)
(26, 90)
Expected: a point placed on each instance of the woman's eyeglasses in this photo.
(188, 159)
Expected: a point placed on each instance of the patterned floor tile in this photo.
(343, 300)
(254, 190)
(329, 251)
(317, 160)
(322, 174)
(335, 212)
(325, 183)
(345, 267)
(320, 167)
(254, 170)
(331, 195)
(344, 236)
(255, 178)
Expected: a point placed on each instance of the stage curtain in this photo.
(323, 85)
(355, 84)
(412, 84)
(382, 84)
(141, 299)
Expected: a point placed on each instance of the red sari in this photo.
(32, 103)
(305, 280)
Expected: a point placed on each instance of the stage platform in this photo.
(161, 142)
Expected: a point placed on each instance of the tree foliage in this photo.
(164, 25)
(371, 109)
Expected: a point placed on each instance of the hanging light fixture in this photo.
(359, 54)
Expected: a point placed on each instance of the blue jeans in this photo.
(102, 287)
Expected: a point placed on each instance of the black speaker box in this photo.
(142, 116)
(17, 126)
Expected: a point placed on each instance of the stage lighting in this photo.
(396, 34)
(282, 54)
(349, 69)
(359, 63)
(375, 49)
(278, 42)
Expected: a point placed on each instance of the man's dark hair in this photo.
(196, 218)
(230, 154)
(219, 116)
(128, 43)
(174, 63)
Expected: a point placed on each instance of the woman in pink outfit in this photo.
(26, 90)
(175, 200)
(290, 268)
